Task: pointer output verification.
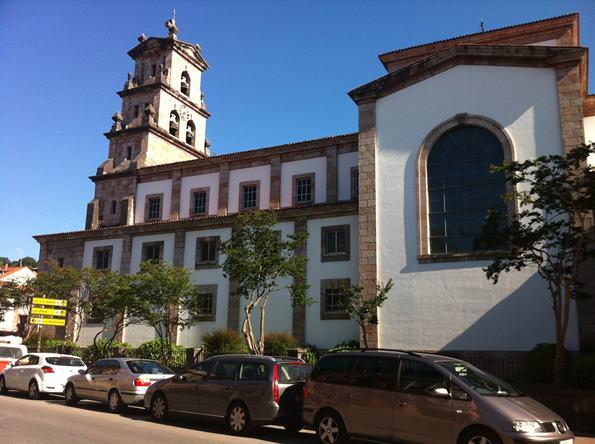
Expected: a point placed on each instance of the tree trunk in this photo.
(364, 334)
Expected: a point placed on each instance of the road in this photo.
(50, 421)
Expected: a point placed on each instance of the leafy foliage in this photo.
(104, 349)
(258, 260)
(154, 350)
(345, 346)
(277, 344)
(220, 342)
(313, 353)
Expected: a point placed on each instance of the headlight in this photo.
(527, 426)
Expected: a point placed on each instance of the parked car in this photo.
(38, 373)
(116, 381)
(423, 398)
(242, 390)
(11, 349)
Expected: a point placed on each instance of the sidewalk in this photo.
(584, 440)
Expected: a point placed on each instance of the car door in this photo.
(369, 396)
(11, 374)
(423, 410)
(105, 380)
(183, 389)
(85, 384)
(26, 371)
(217, 390)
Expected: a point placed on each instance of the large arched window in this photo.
(185, 83)
(174, 123)
(458, 188)
(190, 132)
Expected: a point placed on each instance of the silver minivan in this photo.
(421, 398)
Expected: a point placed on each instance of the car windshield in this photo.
(10, 352)
(480, 382)
(148, 368)
(66, 361)
(292, 372)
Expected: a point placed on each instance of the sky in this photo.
(279, 72)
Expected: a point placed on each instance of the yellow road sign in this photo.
(47, 301)
(48, 311)
(46, 321)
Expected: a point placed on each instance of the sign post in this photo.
(47, 312)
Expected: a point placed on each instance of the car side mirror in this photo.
(179, 377)
(441, 392)
(82, 372)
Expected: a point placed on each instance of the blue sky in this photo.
(279, 72)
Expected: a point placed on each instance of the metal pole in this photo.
(38, 338)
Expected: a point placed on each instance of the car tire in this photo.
(479, 435)
(330, 428)
(3, 388)
(70, 395)
(238, 419)
(293, 427)
(34, 390)
(159, 409)
(114, 402)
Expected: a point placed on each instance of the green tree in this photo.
(167, 300)
(551, 231)
(365, 310)
(257, 259)
(27, 261)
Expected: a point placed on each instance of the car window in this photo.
(197, 372)
(479, 381)
(420, 378)
(373, 372)
(27, 360)
(148, 367)
(253, 371)
(224, 369)
(334, 369)
(65, 361)
(10, 352)
(99, 368)
(112, 367)
(292, 372)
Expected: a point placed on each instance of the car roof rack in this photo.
(286, 358)
(363, 349)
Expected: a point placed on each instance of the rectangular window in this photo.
(136, 110)
(303, 189)
(114, 207)
(249, 196)
(199, 201)
(354, 183)
(152, 251)
(206, 302)
(128, 153)
(207, 252)
(332, 291)
(153, 70)
(335, 243)
(153, 207)
(102, 258)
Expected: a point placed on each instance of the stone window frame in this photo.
(207, 191)
(146, 245)
(113, 207)
(354, 182)
(241, 207)
(103, 248)
(464, 119)
(204, 265)
(148, 198)
(294, 188)
(340, 256)
(129, 153)
(326, 284)
(212, 290)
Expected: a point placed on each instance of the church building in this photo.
(404, 198)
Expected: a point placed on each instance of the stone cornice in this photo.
(164, 43)
(315, 211)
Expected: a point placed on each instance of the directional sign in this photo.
(53, 302)
(47, 321)
(48, 311)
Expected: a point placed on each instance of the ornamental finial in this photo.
(172, 29)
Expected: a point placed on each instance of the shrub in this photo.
(540, 363)
(582, 374)
(53, 345)
(345, 346)
(219, 342)
(105, 350)
(312, 354)
(155, 350)
(277, 344)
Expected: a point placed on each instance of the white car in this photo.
(38, 373)
(116, 381)
(9, 353)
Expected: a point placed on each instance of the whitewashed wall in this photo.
(345, 163)
(236, 177)
(452, 305)
(145, 189)
(327, 333)
(289, 169)
(202, 181)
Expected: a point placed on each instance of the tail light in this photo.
(140, 382)
(47, 369)
(276, 383)
(305, 392)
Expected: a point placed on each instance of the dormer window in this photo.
(185, 83)
(174, 123)
(190, 131)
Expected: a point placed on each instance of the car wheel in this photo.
(293, 427)
(3, 389)
(330, 429)
(479, 436)
(34, 390)
(238, 419)
(70, 395)
(159, 408)
(115, 402)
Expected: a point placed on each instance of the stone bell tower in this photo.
(162, 120)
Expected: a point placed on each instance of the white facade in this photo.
(210, 181)
(307, 166)
(237, 177)
(150, 188)
(452, 305)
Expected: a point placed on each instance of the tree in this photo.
(167, 300)
(551, 231)
(365, 310)
(257, 259)
(27, 261)
(15, 295)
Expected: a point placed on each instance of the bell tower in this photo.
(162, 120)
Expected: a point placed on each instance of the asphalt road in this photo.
(50, 421)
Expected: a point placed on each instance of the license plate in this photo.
(567, 441)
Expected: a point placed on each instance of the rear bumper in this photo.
(133, 398)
